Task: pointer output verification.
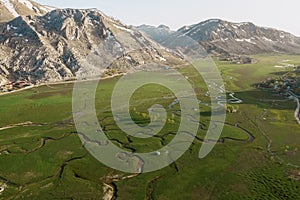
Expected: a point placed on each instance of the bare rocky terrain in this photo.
(68, 43)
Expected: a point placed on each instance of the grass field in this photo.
(44, 158)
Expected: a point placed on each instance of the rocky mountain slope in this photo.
(221, 37)
(68, 43)
(43, 44)
(10, 9)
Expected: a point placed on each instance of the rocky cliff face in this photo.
(221, 37)
(68, 43)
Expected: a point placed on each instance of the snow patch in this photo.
(209, 21)
(191, 29)
(31, 21)
(234, 26)
(37, 10)
(10, 7)
(242, 24)
(46, 8)
(124, 29)
(212, 20)
(161, 58)
(9, 27)
(128, 58)
(245, 40)
(267, 39)
(28, 4)
(186, 28)
(109, 35)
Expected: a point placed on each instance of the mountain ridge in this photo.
(234, 38)
(67, 43)
(62, 44)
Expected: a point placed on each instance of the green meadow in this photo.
(42, 157)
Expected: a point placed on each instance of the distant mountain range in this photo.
(43, 44)
(221, 37)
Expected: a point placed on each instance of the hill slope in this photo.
(67, 43)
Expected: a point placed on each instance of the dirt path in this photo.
(50, 84)
(29, 123)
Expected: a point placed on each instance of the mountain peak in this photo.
(158, 34)
(162, 26)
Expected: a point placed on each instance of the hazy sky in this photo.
(280, 14)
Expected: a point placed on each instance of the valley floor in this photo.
(257, 156)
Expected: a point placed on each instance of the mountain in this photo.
(158, 34)
(43, 44)
(10, 9)
(68, 43)
(222, 37)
